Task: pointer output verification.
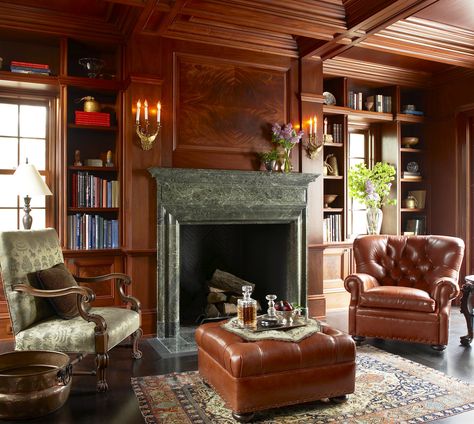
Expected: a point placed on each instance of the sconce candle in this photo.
(138, 111)
(315, 125)
(145, 130)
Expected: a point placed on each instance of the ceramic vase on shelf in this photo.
(374, 220)
(286, 161)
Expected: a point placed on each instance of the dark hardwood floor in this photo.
(119, 404)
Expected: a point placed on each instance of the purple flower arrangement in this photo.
(287, 137)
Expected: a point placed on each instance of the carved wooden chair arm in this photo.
(85, 296)
(121, 280)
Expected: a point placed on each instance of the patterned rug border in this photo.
(388, 358)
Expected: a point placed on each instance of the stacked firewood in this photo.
(224, 291)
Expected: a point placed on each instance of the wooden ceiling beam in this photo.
(282, 21)
(388, 12)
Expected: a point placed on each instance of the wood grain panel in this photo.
(141, 267)
(92, 266)
(227, 106)
(336, 267)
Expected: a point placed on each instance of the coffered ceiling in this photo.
(428, 36)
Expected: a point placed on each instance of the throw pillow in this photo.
(59, 277)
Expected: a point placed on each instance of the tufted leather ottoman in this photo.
(252, 376)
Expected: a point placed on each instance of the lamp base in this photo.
(27, 218)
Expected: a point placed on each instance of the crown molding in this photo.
(375, 72)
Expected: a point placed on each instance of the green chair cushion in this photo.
(76, 334)
(59, 277)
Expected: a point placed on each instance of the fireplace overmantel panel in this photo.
(203, 196)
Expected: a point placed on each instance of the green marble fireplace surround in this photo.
(205, 196)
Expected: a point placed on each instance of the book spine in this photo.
(29, 64)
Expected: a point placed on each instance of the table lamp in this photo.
(29, 183)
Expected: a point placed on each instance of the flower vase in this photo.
(374, 220)
(287, 165)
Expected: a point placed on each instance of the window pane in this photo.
(359, 222)
(353, 162)
(8, 196)
(39, 219)
(8, 119)
(34, 150)
(9, 153)
(356, 145)
(32, 121)
(8, 219)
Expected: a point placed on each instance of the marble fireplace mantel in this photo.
(204, 196)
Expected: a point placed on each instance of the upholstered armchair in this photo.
(27, 259)
(403, 287)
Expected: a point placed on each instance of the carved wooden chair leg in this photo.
(102, 361)
(136, 353)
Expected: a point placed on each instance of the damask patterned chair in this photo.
(26, 258)
(403, 287)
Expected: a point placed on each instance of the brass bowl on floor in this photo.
(328, 199)
(33, 383)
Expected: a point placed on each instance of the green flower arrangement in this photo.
(269, 156)
(372, 186)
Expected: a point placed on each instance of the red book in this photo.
(82, 114)
(29, 64)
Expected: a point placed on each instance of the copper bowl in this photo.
(328, 199)
(33, 383)
(410, 141)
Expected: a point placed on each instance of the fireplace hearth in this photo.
(243, 202)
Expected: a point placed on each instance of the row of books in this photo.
(375, 103)
(89, 191)
(29, 68)
(332, 228)
(92, 118)
(87, 231)
(337, 133)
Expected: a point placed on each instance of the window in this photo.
(23, 135)
(359, 152)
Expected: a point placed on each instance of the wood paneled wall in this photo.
(218, 107)
(451, 98)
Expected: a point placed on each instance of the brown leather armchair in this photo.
(403, 287)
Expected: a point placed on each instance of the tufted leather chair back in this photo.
(409, 261)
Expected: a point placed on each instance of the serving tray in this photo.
(297, 322)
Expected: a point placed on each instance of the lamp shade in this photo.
(28, 181)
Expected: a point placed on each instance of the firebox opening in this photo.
(257, 253)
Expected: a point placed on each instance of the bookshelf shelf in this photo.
(88, 210)
(410, 150)
(92, 127)
(94, 168)
(333, 177)
(411, 180)
(406, 118)
(333, 144)
(411, 210)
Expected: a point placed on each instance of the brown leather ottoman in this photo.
(252, 376)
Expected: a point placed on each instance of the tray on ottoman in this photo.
(258, 375)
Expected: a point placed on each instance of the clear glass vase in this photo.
(374, 220)
(287, 165)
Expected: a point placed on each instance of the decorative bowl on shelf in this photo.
(410, 141)
(92, 65)
(328, 199)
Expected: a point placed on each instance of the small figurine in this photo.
(109, 162)
(77, 158)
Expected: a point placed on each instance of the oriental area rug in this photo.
(389, 389)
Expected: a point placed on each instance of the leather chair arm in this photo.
(85, 295)
(121, 280)
(358, 283)
(444, 290)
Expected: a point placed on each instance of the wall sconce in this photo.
(313, 146)
(145, 131)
